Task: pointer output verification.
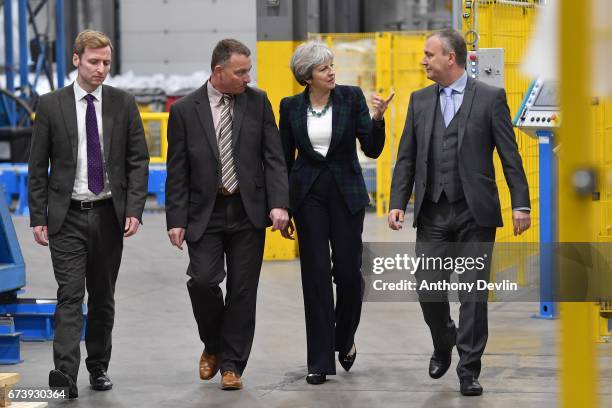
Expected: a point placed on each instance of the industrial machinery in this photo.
(20, 319)
(487, 65)
(538, 116)
(539, 112)
(12, 278)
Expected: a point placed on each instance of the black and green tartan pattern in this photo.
(350, 121)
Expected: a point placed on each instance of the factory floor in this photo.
(156, 346)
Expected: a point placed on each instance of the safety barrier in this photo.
(156, 128)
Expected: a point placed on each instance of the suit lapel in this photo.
(302, 118)
(339, 115)
(202, 105)
(299, 122)
(240, 103)
(430, 110)
(466, 107)
(109, 111)
(68, 108)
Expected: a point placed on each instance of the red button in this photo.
(473, 57)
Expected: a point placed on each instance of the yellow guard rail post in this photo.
(578, 380)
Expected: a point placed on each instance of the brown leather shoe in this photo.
(208, 366)
(231, 381)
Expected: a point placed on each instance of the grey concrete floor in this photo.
(156, 347)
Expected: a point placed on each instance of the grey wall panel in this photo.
(144, 68)
(188, 14)
(171, 53)
(178, 36)
(384, 15)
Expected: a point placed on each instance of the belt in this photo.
(89, 205)
(224, 191)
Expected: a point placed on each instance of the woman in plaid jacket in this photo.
(328, 198)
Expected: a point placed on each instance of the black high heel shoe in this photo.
(316, 379)
(346, 361)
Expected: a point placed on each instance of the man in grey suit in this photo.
(227, 181)
(93, 196)
(446, 153)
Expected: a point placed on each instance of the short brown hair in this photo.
(91, 39)
(224, 50)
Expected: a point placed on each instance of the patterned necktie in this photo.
(229, 180)
(95, 173)
(449, 107)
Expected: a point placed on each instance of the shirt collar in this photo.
(214, 96)
(80, 93)
(459, 85)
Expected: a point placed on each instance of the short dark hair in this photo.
(224, 50)
(453, 41)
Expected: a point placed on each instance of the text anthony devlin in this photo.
(481, 284)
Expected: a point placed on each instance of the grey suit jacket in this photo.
(484, 125)
(55, 140)
(194, 168)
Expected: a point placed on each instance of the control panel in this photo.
(487, 65)
(539, 109)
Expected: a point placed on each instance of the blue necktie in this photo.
(449, 107)
(95, 173)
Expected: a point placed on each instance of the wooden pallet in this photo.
(7, 380)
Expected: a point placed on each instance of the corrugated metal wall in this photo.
(178, 36)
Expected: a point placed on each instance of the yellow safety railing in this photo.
(578, 356)
(584, 143)
(509, 25)
(382, 63)
(156, 129)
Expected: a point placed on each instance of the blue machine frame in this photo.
(12, 266)
(26, 89)
(548, 172)
(548, 206)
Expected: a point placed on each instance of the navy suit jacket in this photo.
(350, 121)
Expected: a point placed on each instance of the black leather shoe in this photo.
(470, 386)
(439, 363)
(316, 379)
(347, 360)
(59, 379)
(441, 360)
(99, 381)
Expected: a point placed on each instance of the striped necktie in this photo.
(229, 179)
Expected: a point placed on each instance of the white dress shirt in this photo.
(320, 131)
(80, 190)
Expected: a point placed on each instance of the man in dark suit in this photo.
(226, 183)
(93, 196)
(446, 152)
